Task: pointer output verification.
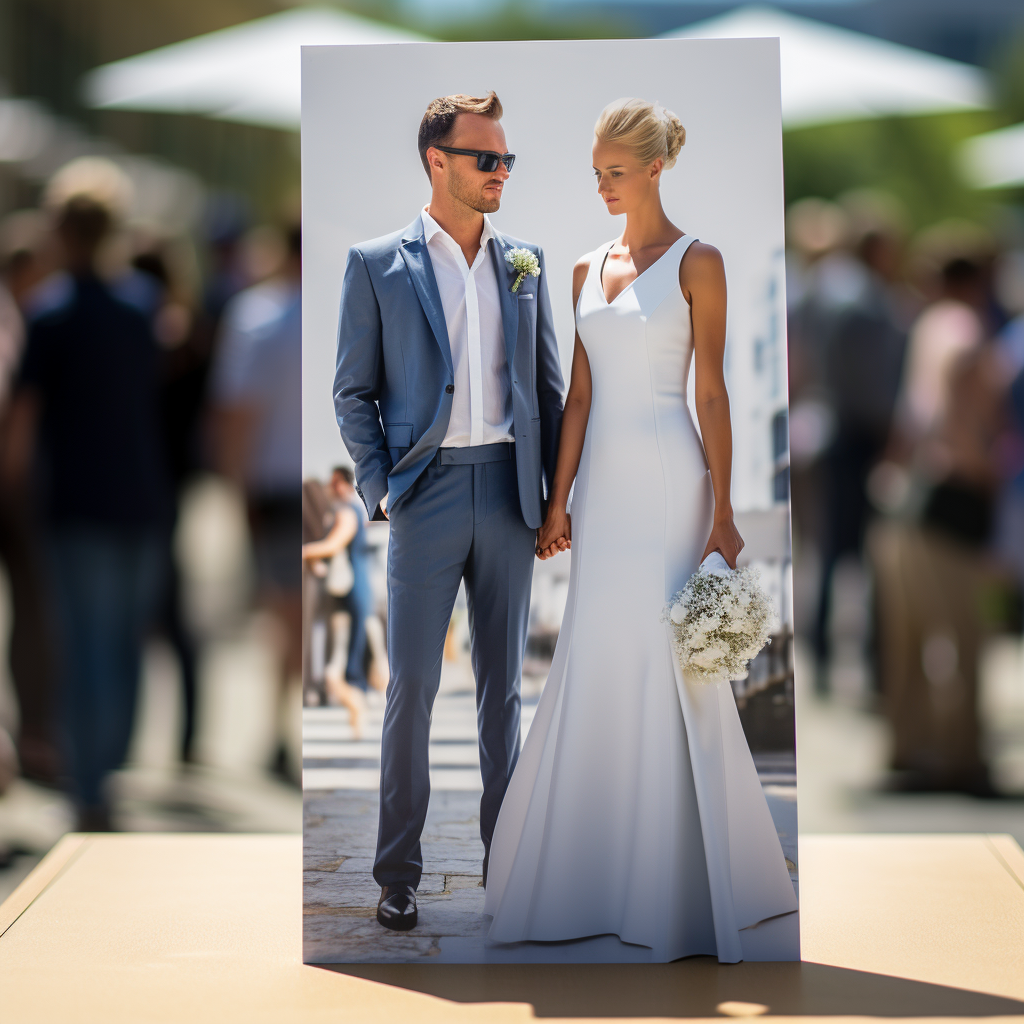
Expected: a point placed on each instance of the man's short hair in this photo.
(344, 471)
(439, 121)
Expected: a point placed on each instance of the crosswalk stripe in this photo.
(314, 730)
(453, 752)
(467, 753)
(366, 750)
(451, 779)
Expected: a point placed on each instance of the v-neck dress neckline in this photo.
(604, 260)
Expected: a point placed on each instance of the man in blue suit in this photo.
(448, 394)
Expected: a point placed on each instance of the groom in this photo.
(448, 393)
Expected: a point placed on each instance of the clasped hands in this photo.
(555, 535)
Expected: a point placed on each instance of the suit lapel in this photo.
(414, 252)
(509, 302)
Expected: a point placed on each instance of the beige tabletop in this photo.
(189, 929)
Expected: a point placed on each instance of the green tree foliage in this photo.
(1009, 77)
(914, 158)
(513, 22)
(512, 19)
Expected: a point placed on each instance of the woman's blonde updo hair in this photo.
(646, 128)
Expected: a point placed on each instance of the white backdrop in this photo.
(362, 177)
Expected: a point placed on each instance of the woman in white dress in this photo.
(635, 809)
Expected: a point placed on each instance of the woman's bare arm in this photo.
(702, 279)
(556, 533)
(342, 532)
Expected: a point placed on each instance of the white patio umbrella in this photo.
(994, 159)
(249, 73)
(832, 74)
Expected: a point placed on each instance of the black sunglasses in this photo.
(486, 159)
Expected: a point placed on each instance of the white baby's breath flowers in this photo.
(719, 621)
(523, 261)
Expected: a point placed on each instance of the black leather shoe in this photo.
(396, 908)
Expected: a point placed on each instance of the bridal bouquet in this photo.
(720, 620)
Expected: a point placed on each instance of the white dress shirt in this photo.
(482, 402)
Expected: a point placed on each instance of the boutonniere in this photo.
(523, 262)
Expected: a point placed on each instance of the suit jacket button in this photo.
(449, 389)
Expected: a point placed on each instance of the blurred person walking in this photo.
(1009, 526)
(225, 224)
(358, 602)
(30, 644)
(930, 570)
(851, 325)
(343, 557)
(317, 519)
(86, 405)
(257, 399)
(184, 365)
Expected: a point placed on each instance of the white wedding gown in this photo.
(635, 809)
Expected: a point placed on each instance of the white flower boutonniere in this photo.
(523, 261)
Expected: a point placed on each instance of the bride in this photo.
(635, 809)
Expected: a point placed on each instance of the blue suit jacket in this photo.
(395, 364)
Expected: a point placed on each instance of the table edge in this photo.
(68, 847)
(1009, 853)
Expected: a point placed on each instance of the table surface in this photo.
(195, 928)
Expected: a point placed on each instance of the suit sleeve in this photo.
(550, 389)
(357, 384)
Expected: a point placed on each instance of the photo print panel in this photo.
(544, 339)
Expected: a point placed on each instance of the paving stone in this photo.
(329, 889)
(327, 865)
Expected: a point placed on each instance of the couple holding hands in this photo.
(634, 808)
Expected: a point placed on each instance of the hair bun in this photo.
(651, 131)
(675, 137)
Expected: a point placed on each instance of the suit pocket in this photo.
(398, 437)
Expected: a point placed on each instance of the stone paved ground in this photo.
(340, 778)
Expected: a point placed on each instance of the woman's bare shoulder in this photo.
(703, 254)
(580, 271)
(582, 265)
(701, 262)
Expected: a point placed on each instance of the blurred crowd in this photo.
(907, 464)
(134, 361)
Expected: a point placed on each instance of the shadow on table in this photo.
(688, 988)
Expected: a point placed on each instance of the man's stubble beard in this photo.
(475, 200)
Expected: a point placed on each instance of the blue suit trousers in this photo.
(460, 520)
